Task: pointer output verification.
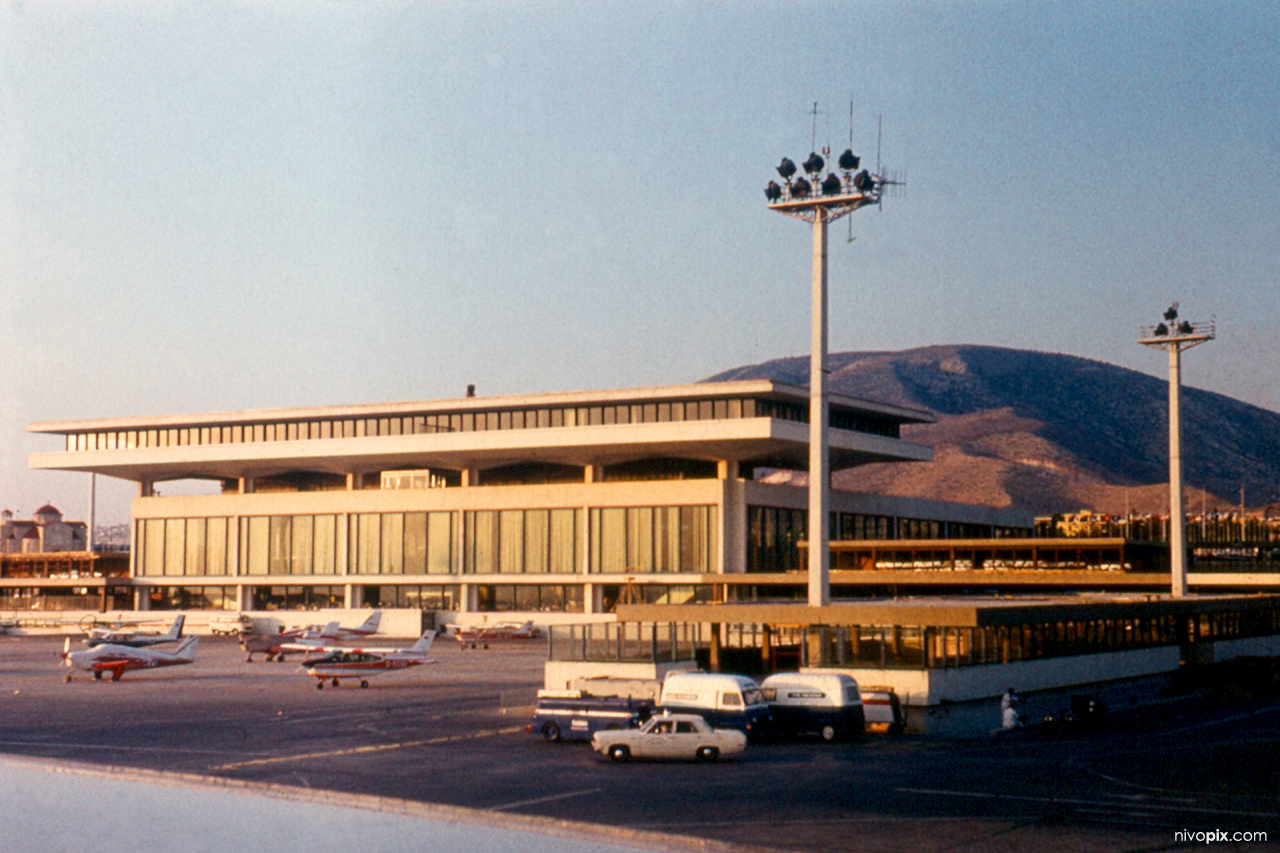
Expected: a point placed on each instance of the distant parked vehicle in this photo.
(231, 624)
(881, 708)
(670, 736)
(725, 701)
(825, 704)
(573, 715)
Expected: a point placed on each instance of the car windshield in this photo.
(753, 696)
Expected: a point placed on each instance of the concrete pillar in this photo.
(714, 662)
(470, 477)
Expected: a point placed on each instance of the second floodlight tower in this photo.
(821, 197)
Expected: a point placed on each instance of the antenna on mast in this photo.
(851, 237)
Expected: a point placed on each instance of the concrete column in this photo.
(93, 494)
(732, 547)
(1177, 517)
(470, 477)
(714, 657)
(593, 473)
(819, 457)
(246, 485)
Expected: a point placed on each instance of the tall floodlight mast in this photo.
(1175, 336)
(820, 197)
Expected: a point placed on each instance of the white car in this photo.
(677, 736)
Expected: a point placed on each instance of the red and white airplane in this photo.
(483, 635)
(118, 660)
(333, 663)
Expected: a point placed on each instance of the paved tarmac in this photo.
(438, 735)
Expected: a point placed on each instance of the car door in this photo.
(686, 740)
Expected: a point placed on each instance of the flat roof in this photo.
(763, 388)
(947, 612)
(755, 422)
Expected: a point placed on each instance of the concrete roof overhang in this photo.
(755, 441)
(957, 612)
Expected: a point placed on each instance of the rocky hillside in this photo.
(1049, 433)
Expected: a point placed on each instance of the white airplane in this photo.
(136, 639)
(334, 664)
(335, 632)
(118, 660)
(471, 635)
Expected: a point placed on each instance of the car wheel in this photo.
(897, 728)
(708, 753)
(828, 733)
(619, 753)
(364, 685)
(551, 733)
(320, 684)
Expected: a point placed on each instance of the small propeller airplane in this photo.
(118, 660)
(307, 640)
(473, 635)
(134, 639)
(334, 632)
(334, 664)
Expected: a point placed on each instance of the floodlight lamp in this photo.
(801, 188)
(773, 192)
(1172, 313)
(863, 182)
(786, 169)
(1160, 330)
(831, 185)
(848, 160)
(1185, 328)
(814, 164)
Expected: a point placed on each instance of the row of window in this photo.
(507, 419)
(903, 647)
(773, 533)
(528, 541)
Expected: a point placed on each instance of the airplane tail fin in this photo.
(424, 642)
(187, 649)
(371, 624)
(330, 630)
(175, 630)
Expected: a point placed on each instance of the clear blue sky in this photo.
(231, 205)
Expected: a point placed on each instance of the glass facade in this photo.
(533, 598)
(178, 547)
(522, 541)
(401, 543)
(632, 540)
(773, 533)
(413, 596)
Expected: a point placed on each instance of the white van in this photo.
(825, 704)
(724, 701)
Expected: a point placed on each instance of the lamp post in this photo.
(1175, 336)
(821, 200)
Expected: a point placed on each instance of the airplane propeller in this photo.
(66, 657)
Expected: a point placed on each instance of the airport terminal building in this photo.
(551, 505)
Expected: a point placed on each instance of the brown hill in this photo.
(1048, 433)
